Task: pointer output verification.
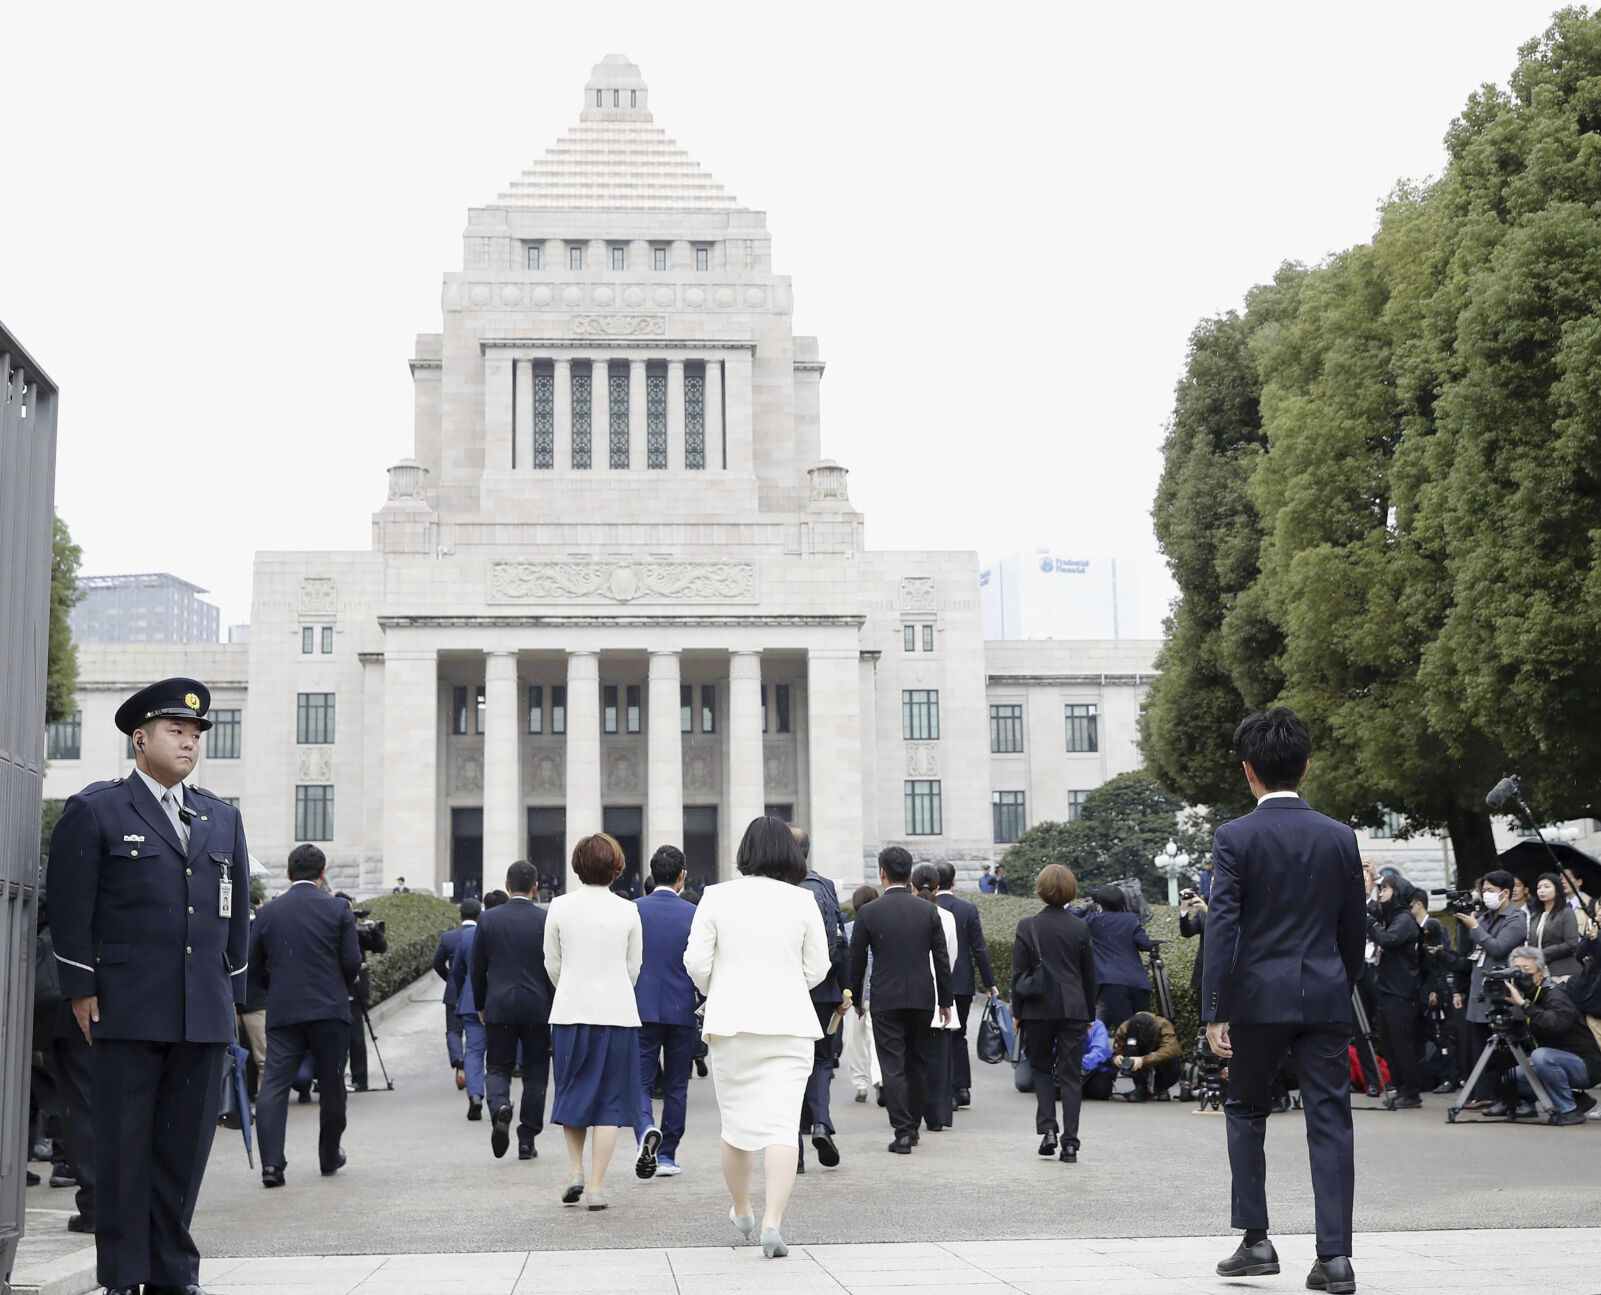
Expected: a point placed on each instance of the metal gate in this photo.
(27, 528)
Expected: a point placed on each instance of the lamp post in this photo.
(1171, 863)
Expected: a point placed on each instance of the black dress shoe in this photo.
(1584, 1102)
(526, 1151)
(902, 1146)
(1069, 1154)
(915, 1136)
(1048, 1145)
(33, 1179)
(475, 1110)
(500, 1132)
(1332, 1275)
(77, 1223)
(800, 1162)
(272, 1176)
(337, 1166)
(823, 1145)
(1399, 1102)
(1260, 1260)
(964, 1097)
(303, 1097)
(122, 1290)
(1446, 1086)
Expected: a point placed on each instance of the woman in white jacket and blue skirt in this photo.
(756, 948)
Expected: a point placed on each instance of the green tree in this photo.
(61, 686)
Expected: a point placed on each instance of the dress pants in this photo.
(1322, 1062)
(857, 1051)
(358, 1048)
(961, 1058)
(667, 1050)
(814, 1105)
(1056, 1056)
(939, 1102)
(502, 1044)
(73, 1066)
(155, 1109)
(254, 1024)
(1401, 1031)
(473, 1056)
(900, 1035)
(287, 1046)
(1116, 1003)
(453, 1033)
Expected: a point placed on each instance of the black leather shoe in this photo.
(122, 1290)
(800, 1162)
(500, 1133)
(880, 1096)
(1048, 1145)
(1396, 1102)
(77, 1223)
(823, 1145)
(1584, 1102)
(916, 1137)
(1445, 1087)
(475, 1110)
(964, 1097)
(338, 1165)
(1069, 1154)
(33, 1179)
(1332, 1275)
(527, 1151)
(303, 1097)
(62, 1176)
(902, 1146)
(272, 1176)
(1260, 1260)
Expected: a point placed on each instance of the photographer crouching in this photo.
(371, 939)
(1145, 1049)
(1565, 1056)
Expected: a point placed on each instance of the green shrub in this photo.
(1001, 914)
(412, 925)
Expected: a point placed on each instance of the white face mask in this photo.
(1492, 899)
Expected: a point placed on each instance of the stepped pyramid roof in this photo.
(616, 158)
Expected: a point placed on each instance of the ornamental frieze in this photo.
(619, 325)
(622, 582)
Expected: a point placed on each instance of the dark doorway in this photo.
(626, 823)
(700, 844)
(547, 850)
(467, 853)
(785, 812)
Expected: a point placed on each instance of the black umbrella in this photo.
(1528, 859)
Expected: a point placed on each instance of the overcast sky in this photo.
(221, 229)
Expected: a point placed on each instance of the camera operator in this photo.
(370, 938)
(1440, 968)
(1394, 933)
(1493, 931)
(1145, 1048)
(1565, 1055)
(1192, 926)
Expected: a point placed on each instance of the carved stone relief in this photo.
(545, 772)
(314, 763)
(622, 771)
(621, 582)
(700, 771)
(922, 760)
(318, 594)
(778, 774)
(466, 769)
(917, 594)
(619, 325)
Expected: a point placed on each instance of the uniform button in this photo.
(133, 853)
(187, 949)
(191, 910)
(188, 872)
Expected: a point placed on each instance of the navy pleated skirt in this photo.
(597, 1075)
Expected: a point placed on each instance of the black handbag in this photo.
(1031, 984)
(991, 1043)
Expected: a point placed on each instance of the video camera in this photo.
(369, 934)
(1459, 901)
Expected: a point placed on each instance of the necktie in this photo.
(169, 802)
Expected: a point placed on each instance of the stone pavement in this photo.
(1526, 1261)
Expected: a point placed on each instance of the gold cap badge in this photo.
(191, 701)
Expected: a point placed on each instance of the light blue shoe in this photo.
(667, 1167)
(772, 1244)
(746, 1223)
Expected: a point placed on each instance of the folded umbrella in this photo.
(235, 1112)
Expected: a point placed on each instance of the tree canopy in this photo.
(61, 685)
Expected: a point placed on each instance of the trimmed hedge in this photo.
(1001, 913)
(412, 925)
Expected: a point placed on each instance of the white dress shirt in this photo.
(593, 950)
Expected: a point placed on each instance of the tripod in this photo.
(373, 1035)
(1158, 972)
(1501, 1036)
(1366, 1049)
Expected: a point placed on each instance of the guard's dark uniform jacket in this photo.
(136, 918)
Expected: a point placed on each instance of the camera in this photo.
(370, 935)
(1459, 901)
(1125, 1066)
(1187, 894)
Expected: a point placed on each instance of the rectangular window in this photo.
(63, 740)
(533, 258)
(597, 98)
(708, 708)
(314, 813)
(480, 710)
(308, 639)
(632, 714)
(703, 258)
(131, 753)
(619, 258)
(222, 743)
(781, 697)
(928, 638)
(536, 708)
(1075, 805)
(1006, 729)
(582, 408)
(617, 396)
(616, 98)
(764, 708)
(1389, 826)
(923, 808)
(314, 718)
(1007, 807)
(658, 256)
(327, 639)
(1082, 729)
(544, 416)
(694, 417)
(909, 637)
(655, 417)
(633, 98)
(920, 715)
(608, 708)
(686, 708)
(458, 711)
(558, 708)
(575, 258)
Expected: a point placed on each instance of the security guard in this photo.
(149, 907)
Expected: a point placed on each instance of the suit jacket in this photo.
(664, 993)
(460, 966)
(1060, 942)
(1119, 939)
(136, 918)
(831, 989)
(902, 931)
(1286, 925)
(444, 955)
(309, 955)
(510, 985)
(970, 946)
(755, 948)
(1192, 926)
(593, 951)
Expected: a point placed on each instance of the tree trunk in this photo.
(1473, 844)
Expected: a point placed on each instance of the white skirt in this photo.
(761, 1082)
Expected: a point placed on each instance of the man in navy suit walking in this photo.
(444, 954)
(1285, 936)
(665, 996)
(513, 993)
(309, 960)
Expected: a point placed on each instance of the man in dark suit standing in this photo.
(444, 955)
(148, 888)
(309, 960)
(970, 948)
(817, 1119)
(1285, 936)
(903, 934)
(512, 994)
(668, 1029)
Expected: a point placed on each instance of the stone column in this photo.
(411, 768)
(745, 773)
(503, 834)
(523, 457)
(741, 413)
(675, 414)
(664, 757)
(636, 414)
(834, 750)
(372, 769)
(599, 416)
(564, 414)
(583, 752)
(497, 412)
(714, 413)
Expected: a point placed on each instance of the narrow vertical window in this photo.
(582, 406)
(616, 98)
(544, 416)
(608, 708)
(617, 390)
(619, 258)
(575, 258)
(533, 258)
(658, 257)
(694, 416)
(308, 638)
(686, 708)
(632, 715)
(764, 708)
(536, 708)
(327, 639)
(458, 711)
(598, 103)
(708, 708)
(703, 258)
(1082, 729)
(480, 710)
(633, 98)
(781, 697)
(558, 708)
(928, 638)
(655, 417)
(909, 637)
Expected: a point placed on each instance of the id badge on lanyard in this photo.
(224, 893)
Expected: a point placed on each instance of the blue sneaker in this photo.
(667, 1167)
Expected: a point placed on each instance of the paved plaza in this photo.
(424, 1207)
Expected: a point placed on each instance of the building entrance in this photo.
(467, 852)
(626, 823)
(700, 844)
(547, 849)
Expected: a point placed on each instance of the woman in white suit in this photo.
(756, 948)
(940, 1103)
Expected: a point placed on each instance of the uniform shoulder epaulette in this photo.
(94, 787)
(207, 793)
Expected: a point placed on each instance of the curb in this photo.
(407, 994)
